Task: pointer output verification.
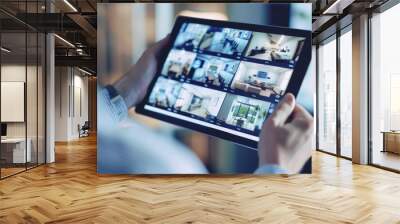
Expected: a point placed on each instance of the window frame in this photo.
(333, 37)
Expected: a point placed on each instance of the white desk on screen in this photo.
(19, 155)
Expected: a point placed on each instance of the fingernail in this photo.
(289, 98)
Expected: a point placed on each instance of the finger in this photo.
(283, 110)
(150, 58)
(300, 112)
(158, 46)
(302, 119)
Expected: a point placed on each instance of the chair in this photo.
(239, 123)
(84, 130)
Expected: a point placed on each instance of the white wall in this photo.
(80, 110)
(12, 101)
(71, 102)
(16, 73)
(33, 126)
(62, 82)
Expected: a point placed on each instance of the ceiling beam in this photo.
(337, 7)
(85, 25)
(49, 22)
(82, 61)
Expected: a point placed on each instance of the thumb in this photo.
(283, 110)
(158, 46)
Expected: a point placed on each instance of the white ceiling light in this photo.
(5, 50)
(65, 41)
(86, 72)
(331, 7)
(79, 51)
(70, 5)
(338, 6)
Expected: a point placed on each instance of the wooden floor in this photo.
(5, 172)
(387, 159)
(70, 191)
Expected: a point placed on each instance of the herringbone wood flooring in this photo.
(70, 191)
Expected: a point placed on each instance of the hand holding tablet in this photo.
(224, 78)
(133, 85)
(286, 136)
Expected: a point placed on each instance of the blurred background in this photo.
(126, 30)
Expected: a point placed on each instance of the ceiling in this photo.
(330, 15)
(76, 22)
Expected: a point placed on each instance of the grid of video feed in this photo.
(227, 77)
(220, 108)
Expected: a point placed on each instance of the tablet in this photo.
(225, 78)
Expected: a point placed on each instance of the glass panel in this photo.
(327, 96)
(385, 84)
(346, 94)
(13, 77)
(31, 98)
(23, 91)
(32, 89)
(41, 98)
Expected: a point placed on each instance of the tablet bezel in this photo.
(299, 71)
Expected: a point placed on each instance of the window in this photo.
(346, 94)
(327, 96)
(385, 89)
(22, 87)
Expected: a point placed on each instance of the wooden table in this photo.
(391, 141)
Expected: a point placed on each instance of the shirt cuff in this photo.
(115, 104)
(270, 169)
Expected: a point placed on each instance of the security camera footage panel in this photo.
(225, 79)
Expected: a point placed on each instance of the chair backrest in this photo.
(86, 124)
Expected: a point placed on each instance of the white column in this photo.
(50, 92)
(50, 99)
(360, 90)
(138, 30)
(164, 19)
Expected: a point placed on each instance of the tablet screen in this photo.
(223, 78)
